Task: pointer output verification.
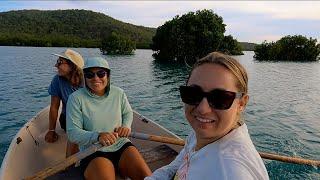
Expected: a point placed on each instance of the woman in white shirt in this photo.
(219, 147)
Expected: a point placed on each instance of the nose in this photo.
(96, 77)
(204, 107)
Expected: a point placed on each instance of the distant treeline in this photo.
(116, 44)
(246, 46)
(288, 48)
(70, 28)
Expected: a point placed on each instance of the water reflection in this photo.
(170, 72)
(167, 77)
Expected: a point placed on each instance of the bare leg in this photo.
(132, 164)
(71, 149)
(100, 168)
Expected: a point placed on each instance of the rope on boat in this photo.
(35, 141)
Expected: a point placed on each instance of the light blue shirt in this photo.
(89, 114)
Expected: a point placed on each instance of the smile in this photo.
(204, 120)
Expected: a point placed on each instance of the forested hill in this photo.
(69, 28)
(75, 28)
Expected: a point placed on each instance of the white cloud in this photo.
(168, 9)
(280, 10)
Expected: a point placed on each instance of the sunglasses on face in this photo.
(61, 61)
(217, 98)
(90, 75)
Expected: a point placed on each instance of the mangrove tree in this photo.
(192, 36)
(288, 48)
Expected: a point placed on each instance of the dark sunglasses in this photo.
(61, 61)
(217, 98)
(90, 75)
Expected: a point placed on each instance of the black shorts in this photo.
(62, 121)
(114, 157)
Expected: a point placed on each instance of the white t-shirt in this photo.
(231, 157)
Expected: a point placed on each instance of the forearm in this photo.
(127, 119)
(82, 137)
(127, 113)
(53, 115)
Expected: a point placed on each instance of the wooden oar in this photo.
(264, 155)
(65, 163)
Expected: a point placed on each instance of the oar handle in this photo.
(288, 159)
(162, 139)
(262, 154)
(65, 163)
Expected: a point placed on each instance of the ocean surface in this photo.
(283, 114)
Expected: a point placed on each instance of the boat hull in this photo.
(28, 152)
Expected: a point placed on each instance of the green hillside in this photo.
(70, 28)
(75, 28)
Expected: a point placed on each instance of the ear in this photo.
(243, 102)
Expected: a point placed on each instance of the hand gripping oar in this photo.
(65, 163)
(264, 155)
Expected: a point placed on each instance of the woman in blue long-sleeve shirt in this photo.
(101, 112)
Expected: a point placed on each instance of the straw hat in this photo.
(72, 56)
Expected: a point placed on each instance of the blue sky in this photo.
(250, 21)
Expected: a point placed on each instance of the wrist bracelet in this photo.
(52, 130)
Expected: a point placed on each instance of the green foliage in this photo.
(191, 36)
(117, 44)
(288, 48)
(230, 46)
(23, 39)
(72, 28)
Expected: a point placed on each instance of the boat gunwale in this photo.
(158, 125)
(13, 143)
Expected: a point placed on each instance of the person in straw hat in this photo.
(68, 79)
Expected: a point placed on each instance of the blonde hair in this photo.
(233, 66)
(229, 63)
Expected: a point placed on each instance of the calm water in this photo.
(283, 113)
